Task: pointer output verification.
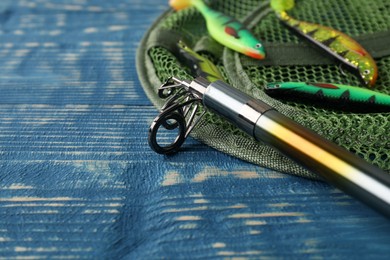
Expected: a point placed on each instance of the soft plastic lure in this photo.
(199, 65)
(336, 43)
(331, 95)
(225, 29)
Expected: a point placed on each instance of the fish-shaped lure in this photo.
(225, 29)
(331, 96)
(199, 65)
(336, 43)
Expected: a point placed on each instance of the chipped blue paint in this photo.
(78, 179)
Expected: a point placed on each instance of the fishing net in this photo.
(289, 59)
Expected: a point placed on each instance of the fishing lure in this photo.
(336, 43)
(199, 65)
(331, 95)
(225, 29)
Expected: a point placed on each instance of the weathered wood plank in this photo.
(78, 180)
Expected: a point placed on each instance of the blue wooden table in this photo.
(78, 179)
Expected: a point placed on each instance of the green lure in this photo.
(199, 65)
(328, 95)
(336, 43)
(225, 29)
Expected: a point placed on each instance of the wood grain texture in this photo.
(78, 180)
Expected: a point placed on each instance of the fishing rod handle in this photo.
(343, 169)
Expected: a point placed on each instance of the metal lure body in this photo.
(331, 95)
(336, 43)
(225, 29)
(199, 65)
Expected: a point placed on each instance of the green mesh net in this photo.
(363, 134)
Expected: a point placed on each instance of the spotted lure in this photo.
(199, 65)
(225, 29)
(331, 95)
(336, 43)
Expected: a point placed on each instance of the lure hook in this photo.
(180, 113)
(342, 70)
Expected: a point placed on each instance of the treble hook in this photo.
(179, 112)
